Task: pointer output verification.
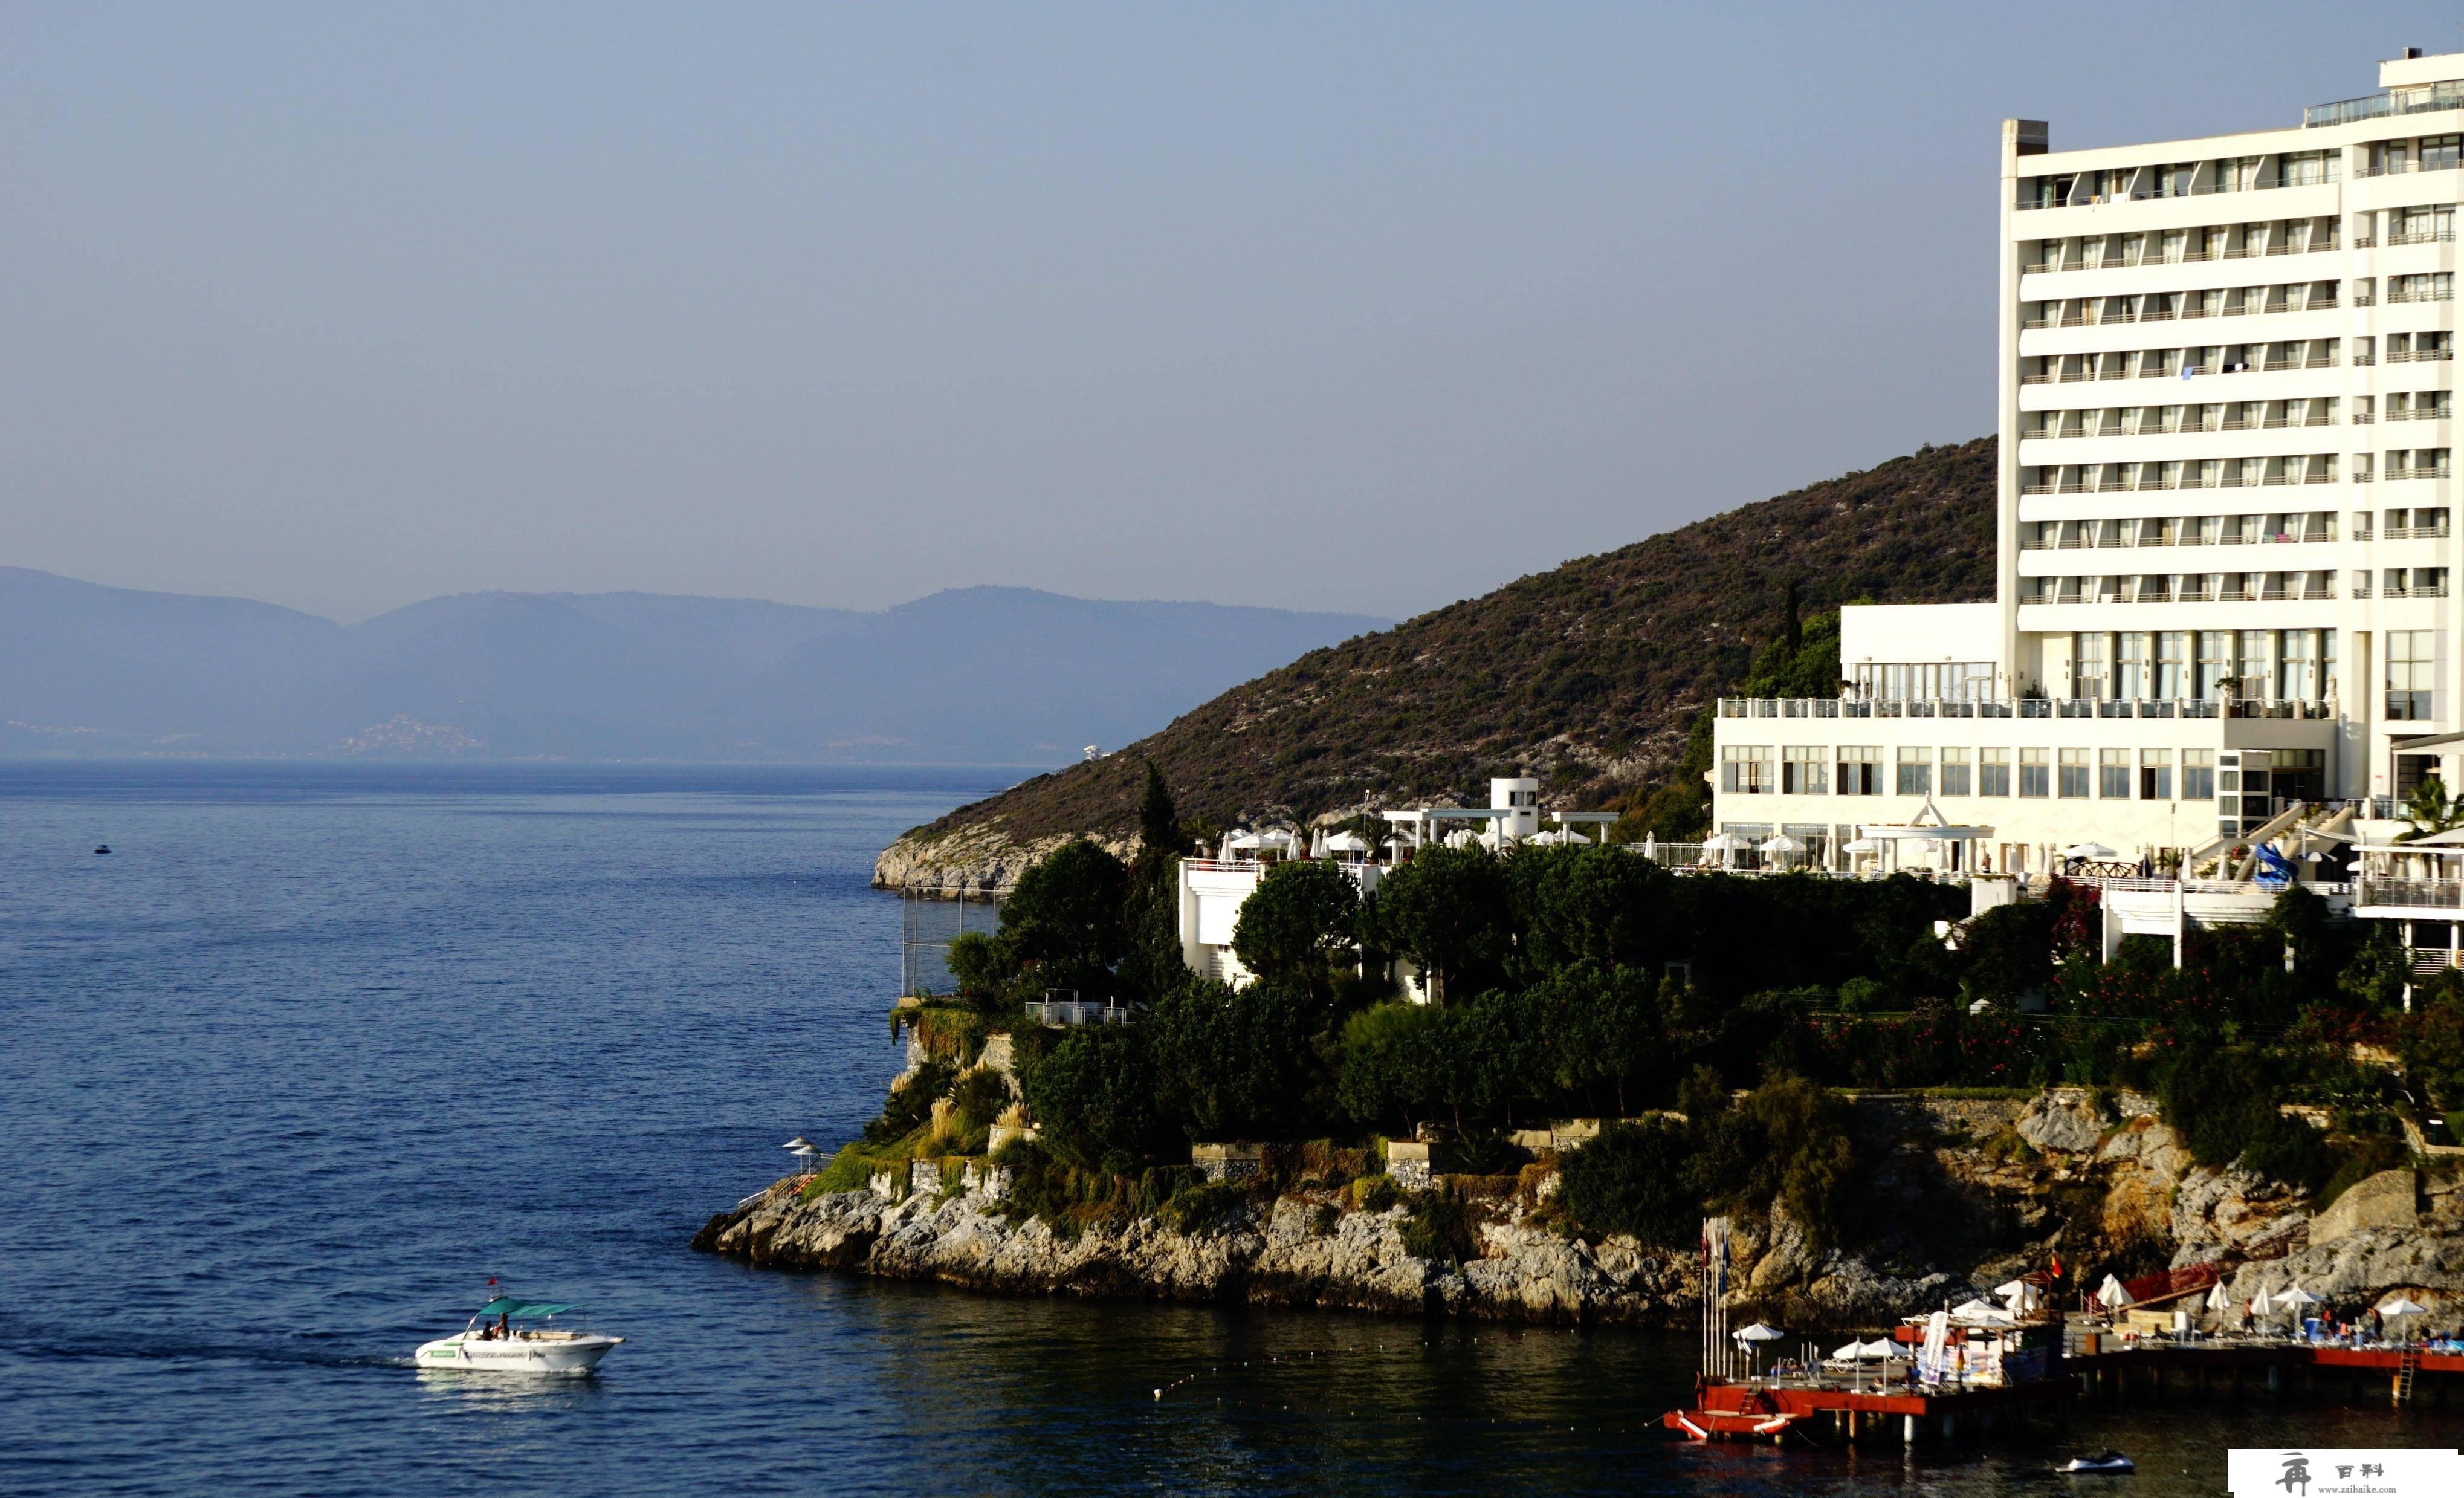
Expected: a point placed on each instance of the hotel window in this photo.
(1916, 772)
(1746, 770)
(2172, 667)
(2087, 666)
(1804, 772)
(2131, 663)
(2155, 774)
(2438, 153)
(2409, 674)
(2198, 774)
(1954, 772)
(2301, 675)
(2256, 651)
(1861, 770)
(2215, 671)
(2113, 774)
(2036, 775)
(2072, 763)
(1993, 772)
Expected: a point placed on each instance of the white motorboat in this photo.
(2108, 1460)
(491, 1343)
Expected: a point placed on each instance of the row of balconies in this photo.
(2055, 265)
(2212, 587)
(2126, 542)
(2131, 368)
(2207, 418)
(2090, 312)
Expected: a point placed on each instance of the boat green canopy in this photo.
(523, 1310)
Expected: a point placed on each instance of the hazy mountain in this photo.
(987, 675)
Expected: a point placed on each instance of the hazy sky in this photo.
(1329, 306)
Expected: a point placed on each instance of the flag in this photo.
(2057, 1267)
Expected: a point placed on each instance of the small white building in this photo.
(1214, 888)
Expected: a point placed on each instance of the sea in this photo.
(319, 1051)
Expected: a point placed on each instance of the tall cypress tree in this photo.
(1159, 820)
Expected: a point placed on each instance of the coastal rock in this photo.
(2145, 1160)
(2062, 1122)
(2385, 1200)
(2234, 1212)
(970, 860)
(2367, 1266)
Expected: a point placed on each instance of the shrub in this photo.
(1376, 1193)
(1634, 1179)
(2288, 1150)
(911, 1104)
(1326, 1219)
(1095, 1093)
(2356, 1160)
(2219, 1101)
(1441, 1227)
(1193, 1207)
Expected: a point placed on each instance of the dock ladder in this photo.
(2408, 1364)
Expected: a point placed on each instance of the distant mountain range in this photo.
(992, 676)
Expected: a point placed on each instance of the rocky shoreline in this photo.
(1966, 1194)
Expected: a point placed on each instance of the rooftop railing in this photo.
(2415, 893)
(2384, 104)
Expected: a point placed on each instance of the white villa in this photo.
(1213, 889)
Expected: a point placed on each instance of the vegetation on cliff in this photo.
(1593, 674)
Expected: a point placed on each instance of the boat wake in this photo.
(42, 1345)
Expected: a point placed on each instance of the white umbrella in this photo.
(1725, 843)
(2111, 1295)
(1882, 1349)
(1759, 1332)
(2095, 852)
(1783, 844)
(2295, 1298)
(1650, 844)
(2399, 1306)
(1975, 1308)
(1861, 845)
(2217, 1299)
(1854, 1351)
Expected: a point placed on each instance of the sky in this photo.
(1358, 307)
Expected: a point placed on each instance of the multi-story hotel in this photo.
(2225, 505)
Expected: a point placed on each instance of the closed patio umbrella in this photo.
(2093, 853)
(2111, 1295)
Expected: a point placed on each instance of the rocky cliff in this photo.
(1964, 1194)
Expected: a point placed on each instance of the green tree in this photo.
(1600, 905)
(1633, 1179)
(1094, 1096)
(1066, 911)
(1447, 909)
(1301, 916)
(1385, 1065)
(1233, 1064)
(2434, 1045)
(2007, 953)
(2218, 1099)
(1600, 1027)
(1160, 838)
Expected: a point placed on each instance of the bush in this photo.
(2288, 1150)
(1376, 1193)
(2356, 1160)
(1441, 1227)
(1634, 1179)
(1193, 1207)
(911, 1104)
(2220, 1101)
(1096, 1093)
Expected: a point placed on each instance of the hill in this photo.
(1589, 675)
(984, 674)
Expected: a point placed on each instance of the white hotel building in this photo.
(2226, 509)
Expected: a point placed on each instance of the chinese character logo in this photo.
(2297, 1473)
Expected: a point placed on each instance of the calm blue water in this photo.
(317, 1050)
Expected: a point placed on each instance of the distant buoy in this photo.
(102, 847)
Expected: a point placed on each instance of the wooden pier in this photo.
(1835, 1410)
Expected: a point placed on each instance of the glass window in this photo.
(2155, 774)
(1993, 772)
(1746, 770)
(2216, 665)
(2254, 670)
(1804, 771)
(2407, 674)
(1954, 772)
(1916, 772)
(2073, 782)
(2132, 661)
(2172, 664)
(2113, 774)
(2198, 774)
(2087, 666)
(2036, 775)
(1861, 770)
(2299, 674)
